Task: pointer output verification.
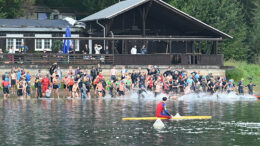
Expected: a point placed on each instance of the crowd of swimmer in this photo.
(79, 83)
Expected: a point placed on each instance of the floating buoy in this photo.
(158, 124)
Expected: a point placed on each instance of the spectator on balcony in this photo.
(11, 56)
(106, 50)
(45, 55)
(85, 51)
(60, 56)
(23, 48)
(71, 51)
(134, 50)
(143, 50)
(97, 48)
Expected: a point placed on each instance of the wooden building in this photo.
(183, 38)
(13, 28)
(170, 36)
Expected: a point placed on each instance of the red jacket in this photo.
(46, 82)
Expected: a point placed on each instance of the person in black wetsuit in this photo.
(52, 69)
(251, 88)
(168, 72)
(182, 85)
(211, 86)
(93, 73)
(204, 85)
(241, 87)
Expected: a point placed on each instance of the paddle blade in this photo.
(158, 124)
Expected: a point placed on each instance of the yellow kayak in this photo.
(174, 118)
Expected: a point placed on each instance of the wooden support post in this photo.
(186, 46)
(200, 44)
(123, 46)
(193, 47)
(113, 47)
(144, 13)
(143, 21)
(170, 46)
(193, 51)
(209, 46)
(221, 45)
(216, 47)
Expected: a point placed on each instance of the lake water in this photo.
(235, 121)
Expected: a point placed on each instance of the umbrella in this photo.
(67, 43)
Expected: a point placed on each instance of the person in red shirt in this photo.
(5, 85)
(100, 76)
(45, 84)
(161, 109)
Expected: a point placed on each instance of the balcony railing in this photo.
(116, 59)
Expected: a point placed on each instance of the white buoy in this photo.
(158, 124)
(177, 115)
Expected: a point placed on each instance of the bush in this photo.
(235, 74)
(56, 46)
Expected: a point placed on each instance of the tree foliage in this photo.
(254, 36)
(89, 6)
(225, 15)
(11, 8)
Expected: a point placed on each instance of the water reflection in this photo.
(98, 121)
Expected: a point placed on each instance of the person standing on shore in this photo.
(113, 74)
(93, 73)
(65, 82)
(13, 81)
(56, 83)
(45, 84)
(98, 69)
(99, 89)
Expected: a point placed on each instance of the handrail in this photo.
(110, 59)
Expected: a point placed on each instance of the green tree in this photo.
(225, 15)
(254, 36)
(90, 6)
(13, 8)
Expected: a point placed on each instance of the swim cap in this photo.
(164, 98)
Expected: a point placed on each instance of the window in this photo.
(41, 44)
(75, 42)
(15, 42)
(42, 16)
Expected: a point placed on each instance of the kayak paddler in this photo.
(161, 109)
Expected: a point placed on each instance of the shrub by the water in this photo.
(250, 72)
(235, 74)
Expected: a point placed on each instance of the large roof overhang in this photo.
(127, 5)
